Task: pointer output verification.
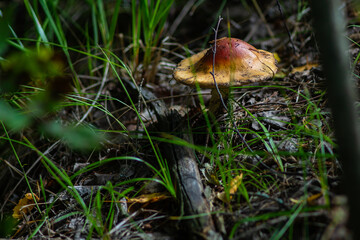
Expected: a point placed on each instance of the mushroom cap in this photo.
(236, 63)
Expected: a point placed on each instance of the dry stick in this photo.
(97, 95)
(256, 5)
(286, 27)
(181, 16)
(213, 64)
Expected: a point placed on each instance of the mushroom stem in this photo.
(215, 105)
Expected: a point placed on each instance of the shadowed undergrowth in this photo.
(82, 86)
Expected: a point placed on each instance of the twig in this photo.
(286, 27)
(262, 17)
(97, 95)
(181, 16)
(213, 64)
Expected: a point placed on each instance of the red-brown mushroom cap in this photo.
(236, 63)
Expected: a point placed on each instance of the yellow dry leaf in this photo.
(146, 199)
(307, 66)
(234, 185)
(149, 198)
(276, 56)
(21, 208)
(310, 200)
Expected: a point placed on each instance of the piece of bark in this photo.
(186, 174)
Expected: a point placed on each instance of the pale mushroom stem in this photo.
(215, 104)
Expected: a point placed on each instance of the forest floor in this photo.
(84, 149)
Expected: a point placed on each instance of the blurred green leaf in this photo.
(12, 118)
(32, 67)
(7, 226)
(6, 18)
(83, 137)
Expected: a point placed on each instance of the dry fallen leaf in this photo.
(310, 200)
(21, 208)
(276, 56)
(149, 198)
(234, 185)
(146, 199)
(307, 66)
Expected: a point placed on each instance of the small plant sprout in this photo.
(229, 62)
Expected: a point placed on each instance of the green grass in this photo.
(148, 19)
(30, 119)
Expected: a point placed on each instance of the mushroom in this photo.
(237, 63)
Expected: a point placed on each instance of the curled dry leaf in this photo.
(147, 199)
(311, 200)
(234, 185)
(25, 205)
(304, 68)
